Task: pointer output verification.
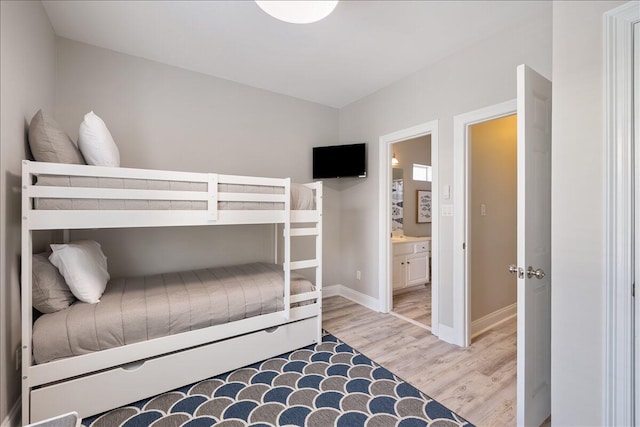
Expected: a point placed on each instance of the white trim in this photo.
(350, 294)
(331, 291)
(362, 299)
(461, 303)
(446, 334)
(384, 224)
(491, 320)
(13, 417)
(618, 124)
(636, 227)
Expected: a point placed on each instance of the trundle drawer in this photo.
(92, 394)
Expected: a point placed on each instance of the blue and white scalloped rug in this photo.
(322, 385)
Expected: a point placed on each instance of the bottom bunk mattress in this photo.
(143, 308)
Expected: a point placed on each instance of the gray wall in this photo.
(577, 221)
(493, 182)
(27, 83)
(163, 117)
(482, 75)
(417, 150)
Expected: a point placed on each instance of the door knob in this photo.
(539, 273)
(513, 269)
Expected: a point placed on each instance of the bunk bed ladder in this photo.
(316, 232)
(287, 250)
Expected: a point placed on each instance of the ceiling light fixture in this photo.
(298, 11)
(394, 161)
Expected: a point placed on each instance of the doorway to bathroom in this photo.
(411, 222)
(408, 224)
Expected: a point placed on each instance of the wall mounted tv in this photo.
(340, 161)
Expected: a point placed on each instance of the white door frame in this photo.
(384, 226)
(461, 288)
(618, 124)
(636, 228)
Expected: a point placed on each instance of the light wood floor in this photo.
(414, 304)
(478, 382)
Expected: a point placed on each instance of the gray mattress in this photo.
(301, 196)
(139, 309)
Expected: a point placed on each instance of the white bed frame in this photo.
(99, 381)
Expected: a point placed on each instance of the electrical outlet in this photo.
(18, 358)
(358, 275)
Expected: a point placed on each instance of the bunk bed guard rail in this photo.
(203, 190)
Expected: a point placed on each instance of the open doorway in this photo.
(411, 221)
(492, 222)
(485, 314)
(420, 270)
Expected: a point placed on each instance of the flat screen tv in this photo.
(340, 161)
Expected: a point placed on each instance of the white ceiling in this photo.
(360, 48)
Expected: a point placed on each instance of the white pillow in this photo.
(84, 268)
(96, 143)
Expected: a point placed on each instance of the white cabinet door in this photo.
(417, 269)
(399, 275)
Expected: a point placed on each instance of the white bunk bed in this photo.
(95, 382)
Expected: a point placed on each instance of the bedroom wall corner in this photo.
(27, 83)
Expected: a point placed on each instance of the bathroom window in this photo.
(421, 172)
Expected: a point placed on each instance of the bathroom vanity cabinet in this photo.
(410, 261)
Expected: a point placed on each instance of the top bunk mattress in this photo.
(143, 308)
(302, 197)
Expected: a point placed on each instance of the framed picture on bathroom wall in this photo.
(424, 206)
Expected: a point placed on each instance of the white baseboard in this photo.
(331, 291)
(13, 417)
(355, 296)
(491, 320)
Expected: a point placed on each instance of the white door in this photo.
(534, 248)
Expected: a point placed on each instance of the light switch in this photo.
(446, 192)
(447, 210)
(483, 209)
